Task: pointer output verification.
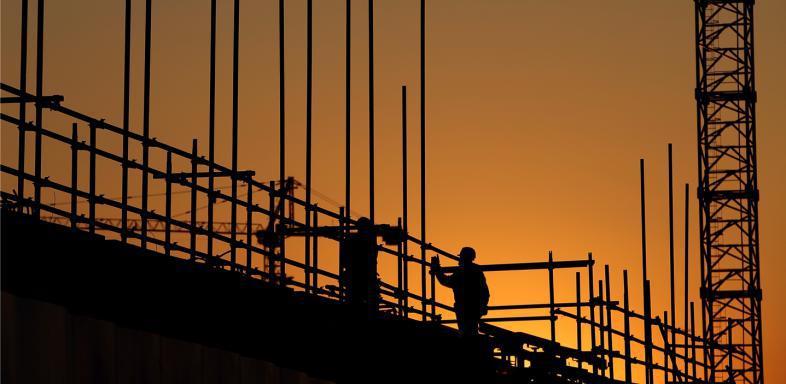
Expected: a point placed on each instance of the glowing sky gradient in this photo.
(538, 113)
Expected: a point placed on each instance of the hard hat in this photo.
(467, 253)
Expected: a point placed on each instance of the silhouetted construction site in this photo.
(280, 293)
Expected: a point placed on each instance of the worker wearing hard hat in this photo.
(470, 291)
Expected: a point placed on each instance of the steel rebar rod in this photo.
(271, 266)
(400, 260)
(193, 209)
(404, 195)
(693, 341)
(249, 224)
(578, 316)
(666, 346)
(92, 179)
(39, 80)
(553, 321)
(423, 151)
(608, 319)
(648, 333)
(74, 173)
(235, 70)
(686, 269)
(315, 244)
(168, 206)
(20, 188)
(371, 110)
(146, 121)
(672, 299)
(591, 289)
(626, 336)
(211, 128)
(670, 354)
(643, 225)
(348, 105)
(309, 100)
(282, 150)
(602, 324)
(126, 113)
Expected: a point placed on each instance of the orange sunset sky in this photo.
(537, 115)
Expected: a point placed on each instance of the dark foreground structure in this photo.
(245, 286)
(79, 308)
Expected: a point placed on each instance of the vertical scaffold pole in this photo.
(92, 179)
(193, 210)
(609, 325)
(578, 316)
(648, 333)
(271, 263)
(168, 206)
(602, 323)
(126, 128)
(404, 199)
(211, 130)
(309, 99)
(672, 299)
(235, 62)
(693, 339)
(685, 281)
(371, 110)
(39, 108)
(282, 148)
(592, 300)
(626, 307)
(643, 225)
(315, 244)
(146, 122)
(552, 318)
(74, 174)
(22, 105)
(347, 106)
(423, 153)
(666, 351)
(433, 298)
(399, 270)
(249, 223)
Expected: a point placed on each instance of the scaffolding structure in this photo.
(613, 343)
(728, 191)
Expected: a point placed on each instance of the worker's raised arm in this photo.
(436, 270)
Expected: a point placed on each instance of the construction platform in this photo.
(79, 308)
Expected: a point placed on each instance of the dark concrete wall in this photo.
(45, 343)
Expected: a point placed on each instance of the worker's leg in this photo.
(461, 320)
(471, 324)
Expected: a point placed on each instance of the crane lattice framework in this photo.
(728, 191)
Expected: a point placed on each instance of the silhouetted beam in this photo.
(501, 319)
(42, 99)
(529, 266)
(206, 174)
(547, 305)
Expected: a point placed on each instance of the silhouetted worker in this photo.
(470, 292)
(358, 267)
